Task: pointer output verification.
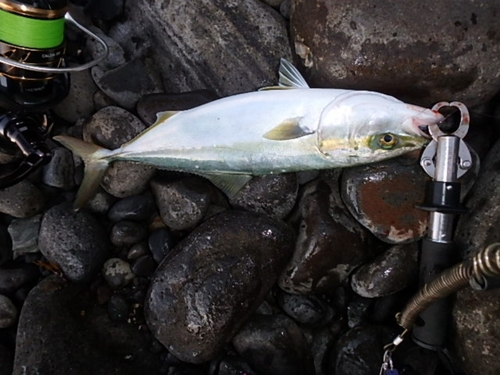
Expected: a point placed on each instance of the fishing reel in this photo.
(34, 76)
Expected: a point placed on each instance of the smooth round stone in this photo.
(208, 285)
(135, 208)
(160, 242)
(388, 273)
(100, 202)
(117, 273)
(60, 170)
(233, 365)
(126, 233)
(182, 203)
(124, 179)
(21, 200)
(137, 250)
(12, 279)
(76, 241)
(144, 266)
(307, 310)
(450, 50)
(272, 195)
(274, 345)
(8, 312)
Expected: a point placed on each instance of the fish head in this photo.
(364, 127)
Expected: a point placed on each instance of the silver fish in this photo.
(286, 128)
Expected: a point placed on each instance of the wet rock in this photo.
(213, 280)
(126, 233)
(359, 351)
(100, 202)
(357, 311)
(182, 203)
(150, 105)
(21, 200)
(24, 235)
(474, 337)
(8, 312)
(274, 345)
(127, 83)
(272, 195)
(144, 266)
(321, 345)
(329, 246)
(111, 127)
(56, 319)
(215, 29)
(307, 310)
(12, 279)
(383, 196)
(388, 273)
(79, 102)
(135, 208)
(117, 273)
(362, 46)
(160, 242)
(74, 240)
(60, 170)
(137, 251)
(105, 11)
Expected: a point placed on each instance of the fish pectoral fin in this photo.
(290, 77)
(230, 184)
(288, 129)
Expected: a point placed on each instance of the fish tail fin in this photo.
(96, 160)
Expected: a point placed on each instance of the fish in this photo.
(285, 128)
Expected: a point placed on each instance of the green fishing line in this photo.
(30, 32)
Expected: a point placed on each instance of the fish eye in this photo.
(387, 141)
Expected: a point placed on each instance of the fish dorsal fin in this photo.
(288, 129)
(290, 77)
(230, 184)
(161, 117)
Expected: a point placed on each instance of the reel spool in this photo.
(33, 72)
(34, 76)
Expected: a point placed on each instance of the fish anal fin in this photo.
(230, 184)
(288, 129)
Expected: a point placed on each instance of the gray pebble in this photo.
(11, 279)
(24, 235)
(8, 312)
(160, 242)
(308, 310)
(144, 266)
(76, 241)
(126, 233)
(59, 172)
(182, 203)
(137, 250)
(135, 208)
(100, 202)
(21, 200)
(117, 273)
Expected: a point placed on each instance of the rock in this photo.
(105, 11)
(79, 102)
(64, 322)
(117, 273)
(150, 105)
(118, 308)
(321, 345)
(111, 127)
(273, 3)
(215, 30)
(59, 172)
(360, 351)
(365, 46)
(330, 244)
(272, 195)
(116, 54)
(101, 202)
(233, 365)
(134, 208)
(213, 280)
(358, 311)
(144, 266)
(388, 273)
(21, 200)
(383, 196)
(160, 242)
(137, 250)
(5, 245)
(12, 279)
(474, 326)
(307, 310)
(274, 345)
(8, 312)
(127, 83)
(24, 235)
(127, 233)
(74, 240)
(182, 203)
(286, 9)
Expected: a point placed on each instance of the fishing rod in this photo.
(34, 77)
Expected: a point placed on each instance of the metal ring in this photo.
(463, 128)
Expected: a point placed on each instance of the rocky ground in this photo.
(298, 273)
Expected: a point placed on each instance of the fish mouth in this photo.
(420, 120)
